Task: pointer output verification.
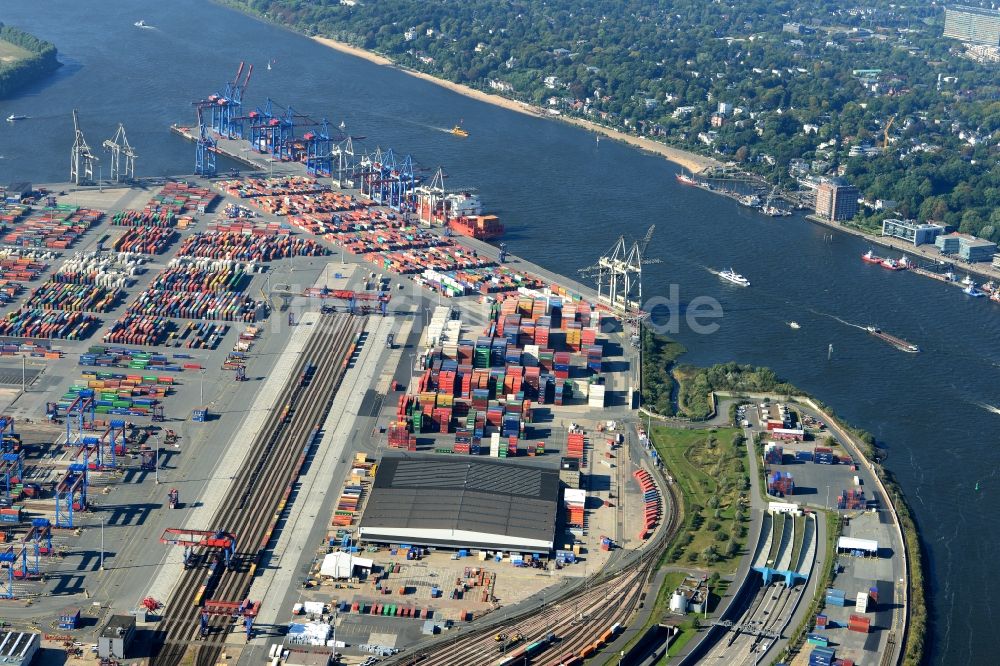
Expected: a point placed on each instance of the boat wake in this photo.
(987, 407)
(845, 323)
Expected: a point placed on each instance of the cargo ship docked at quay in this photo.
(459, 212)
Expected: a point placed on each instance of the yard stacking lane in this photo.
(261, 492)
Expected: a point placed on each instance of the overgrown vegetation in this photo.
(659, 353)
(710, 468)
(697, 383)
(32, 59)
(660, 69)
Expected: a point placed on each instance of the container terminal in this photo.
(310, 413)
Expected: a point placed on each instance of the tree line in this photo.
(40, 62)
(631, 64)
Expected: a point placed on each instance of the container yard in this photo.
(163, 378)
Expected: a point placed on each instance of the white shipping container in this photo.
(861, 604)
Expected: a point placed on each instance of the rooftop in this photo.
(123, 622)
(473, 503)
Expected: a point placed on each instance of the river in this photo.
(564, 199)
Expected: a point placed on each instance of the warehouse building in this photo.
(18, 648)
(474, 504)
(116, 637)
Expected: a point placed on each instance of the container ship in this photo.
(459, 212)
(898, 343)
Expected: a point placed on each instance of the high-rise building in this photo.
(975, 25)
(836, 200)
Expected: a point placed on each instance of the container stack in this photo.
(55, 229)
(199, 414)
(133, 329)
(853, 499)
(200, 335)
(73, 297)
(823, 456)
(773, 454)
(203, 276)
(596, 396)
(575, 442)
(69, 618)
(861, 603)
(821, 655)
(28, 323)
(575, 501)
(858, 623)
(131, 395)
(835, 597)
(228, 245)
(226, 306)
(400, 437)
(144, 218)
(135, 359)
(145, 240)
(780, 484)
(115, 270)
(652, 503)
(178, 197)
(821, 622)
(22, 269)
(803, 456)
(872, 599)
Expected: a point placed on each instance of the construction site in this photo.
(309, 413)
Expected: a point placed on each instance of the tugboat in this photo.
(734, 277)
(458, 131)
(971, 290)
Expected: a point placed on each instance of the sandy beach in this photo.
(683, 158)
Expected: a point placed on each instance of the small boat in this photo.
(734, 277)
(685, 179)
(894, 265)
(967, 281)
(794, 324)
(141, 24)
(13, 118)
(749, 200)
(458, 131)
(970, 290)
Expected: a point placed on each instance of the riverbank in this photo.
(688, 160)
(982, 269)
(24, 59)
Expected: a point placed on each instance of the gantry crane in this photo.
(81, 163)
(119, 147)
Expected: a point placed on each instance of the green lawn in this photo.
(711, 474)
(10, 53)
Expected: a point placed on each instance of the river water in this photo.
(564, 199)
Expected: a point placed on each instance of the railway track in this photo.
(577, 618)
(260, 493)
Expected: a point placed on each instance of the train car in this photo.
(570, 659)
(526, 652)
(214, 573)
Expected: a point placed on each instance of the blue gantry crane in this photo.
(80, 416)
(319, 150)
(226, 107)
(205, 147)
(71, 493)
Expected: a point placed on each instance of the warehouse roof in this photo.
(490, 504)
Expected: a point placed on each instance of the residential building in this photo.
(836, 200)
(975, 25)
(724, 108)
(911, 230)
(718, 120)
(996, 261)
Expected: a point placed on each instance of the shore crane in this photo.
(119, 147)
(81, 163)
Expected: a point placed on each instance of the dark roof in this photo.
(116, 622)
(499, 498)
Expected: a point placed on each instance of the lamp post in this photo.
(102, 543)
(156, 461)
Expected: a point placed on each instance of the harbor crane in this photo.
(81, 163)
(119, 147)
(342, 174)
(205, 150)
